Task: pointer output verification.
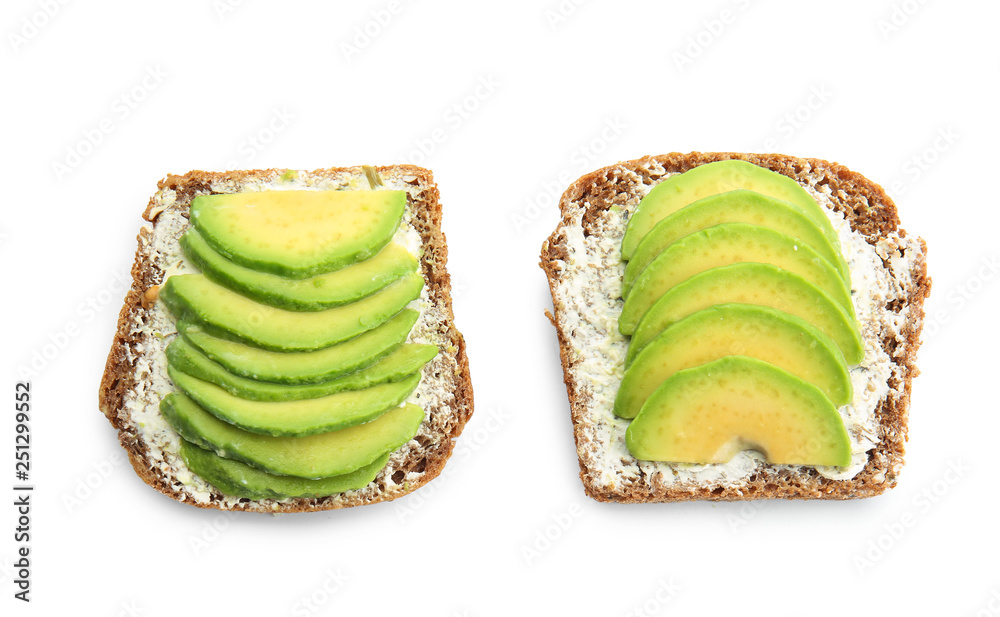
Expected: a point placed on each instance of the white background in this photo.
(122, 93)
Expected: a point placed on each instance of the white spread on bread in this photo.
(589, 287)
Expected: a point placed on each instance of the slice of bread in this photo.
(135, 378)
(582, 260)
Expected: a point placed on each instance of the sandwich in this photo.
(288, 342)
(735, 326)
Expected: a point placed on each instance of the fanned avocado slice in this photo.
(710, 413)
(723, 245)
(302, 367)
(296, 418)
(786, 341)
(752, 283)
(298, 234)
(739, 206)
(225, 313)
(316, 456)
(403, 362)
(348, 284)
(719, 177)
(241, 480)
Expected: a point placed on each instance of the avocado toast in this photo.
(876, 334)
(256, 373)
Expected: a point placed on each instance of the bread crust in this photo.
(869, 211)
(418, 462)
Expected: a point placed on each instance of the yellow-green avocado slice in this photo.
(298, 234)
(317, 456)
(242, 480)
(296, 418)
(709, 413)
(719, 177)
(752, 283)
(303, 367)
(403, 362)
(723, 330)
(739, 206)
(343, 286)
(723, 245)
(228, 314)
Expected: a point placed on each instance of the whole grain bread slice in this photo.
(134, 378)
(594, 211)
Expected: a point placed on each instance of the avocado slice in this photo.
(316, 456)
(298, 234)
(403, 362)
(719, 177)
(723, 245)
(709, 413)
(303, 367)
(752, 283)
(778, 338)
(348, 284)
(242, 480)
(739, 206)
(227, 314)
(296, 418)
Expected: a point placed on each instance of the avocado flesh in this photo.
(297, 418)
(723, 245)
(227, 314)
(758, 332)
(740, 206)
(709, 413)
(403, 362)
(239, 479)
(348, 284)
(317, 456)
(298, 234)
(719, 177)
(303, 367)
(752, 283)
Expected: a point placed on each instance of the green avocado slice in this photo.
(298, 234)
(348, 284)
(296, 417)
(773, 336)
(303, 367)
(752, 283)
(719, 177)
(317, 456)
(739, 206)
(228, 314)
(404, 361)
(709, 413)
(242, 480)
(723, 245)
